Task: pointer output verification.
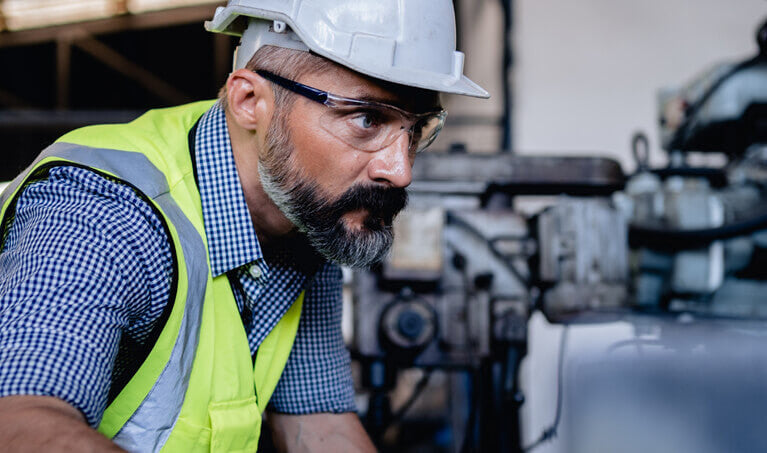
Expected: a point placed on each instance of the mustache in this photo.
(379, 201)
(382, 204)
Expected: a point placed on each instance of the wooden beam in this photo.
(61, 120)
(121, 6)
(123, 65)
(154, 19)
(3, 24)
(63, 72)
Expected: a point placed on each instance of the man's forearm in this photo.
(44, 423)
(319, 433)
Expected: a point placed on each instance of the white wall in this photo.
(587, 71)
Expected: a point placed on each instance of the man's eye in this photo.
(366, 120)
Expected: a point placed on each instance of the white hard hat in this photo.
(406, 42)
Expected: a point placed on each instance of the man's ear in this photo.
(250, 98)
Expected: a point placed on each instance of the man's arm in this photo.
(72, 280)
(45, 423)
(319, 433)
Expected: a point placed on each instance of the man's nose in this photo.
(392, 165)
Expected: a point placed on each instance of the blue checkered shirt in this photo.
(85, 273)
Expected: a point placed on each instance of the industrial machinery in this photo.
(667, 263)
(458, 287)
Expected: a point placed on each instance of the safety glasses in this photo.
(366, 125)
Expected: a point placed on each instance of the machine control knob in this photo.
(407, 325)
(410, 324)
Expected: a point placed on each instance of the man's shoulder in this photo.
(157, 130)
(77, 216)
(72, 182)
(76, 194)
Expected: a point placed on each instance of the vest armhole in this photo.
(10, 209)
(138, 352)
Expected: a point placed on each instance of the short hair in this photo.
(288, 63)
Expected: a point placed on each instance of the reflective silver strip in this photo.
(149, 427)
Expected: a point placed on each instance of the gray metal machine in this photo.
(489, 239)
(468, 267)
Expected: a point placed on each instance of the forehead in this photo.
(343, 82)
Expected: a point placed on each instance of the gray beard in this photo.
(312, 214)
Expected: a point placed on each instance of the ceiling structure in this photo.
(69, 63)
(81, 24)
(25, 14)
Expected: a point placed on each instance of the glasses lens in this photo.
(363, 127)
(426, 129)
(373, 127)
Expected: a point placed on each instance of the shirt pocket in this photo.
(235, 426)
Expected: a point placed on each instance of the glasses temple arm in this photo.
(298, 88)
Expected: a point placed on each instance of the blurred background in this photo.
(580, 77)
(587, 80)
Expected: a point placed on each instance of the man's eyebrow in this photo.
(381, 100)
(408, 107)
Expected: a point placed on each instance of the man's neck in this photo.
(295, 249)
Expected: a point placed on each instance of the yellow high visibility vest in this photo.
(198, 389)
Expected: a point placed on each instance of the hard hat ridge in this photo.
(406, 42)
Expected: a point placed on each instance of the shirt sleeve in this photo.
(83, 262)
(317, 376)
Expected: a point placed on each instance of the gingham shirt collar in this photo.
(232, 241)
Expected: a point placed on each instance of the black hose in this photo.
(417, 390)
(551, 432)
(669, 239)
(455, 220)
(471, 422)
(683, 132)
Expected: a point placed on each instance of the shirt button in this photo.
(255, 271)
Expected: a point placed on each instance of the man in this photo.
(133, 253)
